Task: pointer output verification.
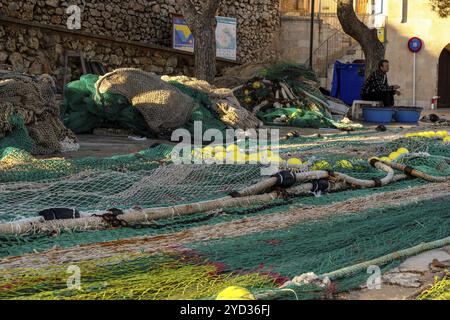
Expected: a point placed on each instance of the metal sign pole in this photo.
(311, 38)
(414, 80)
(415, 45)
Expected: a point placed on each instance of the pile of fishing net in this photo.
(125, 98)
(29, 115)
(149, 105)
(150, 178)
(281, 94)
(255, 259)
(141, 276)
(162, 106)
(259, 245)
(435, 120)
(439, 291)
(223, 102)
(289, 94)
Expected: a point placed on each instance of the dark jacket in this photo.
(377, 82)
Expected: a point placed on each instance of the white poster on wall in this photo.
(226, 41)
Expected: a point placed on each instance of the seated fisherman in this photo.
(376, 87)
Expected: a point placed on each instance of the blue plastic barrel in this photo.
(378, 115)
(348, 80)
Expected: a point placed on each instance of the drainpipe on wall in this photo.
(405, 11)
(311, 38)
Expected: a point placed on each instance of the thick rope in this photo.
(416, 173)
(134, 216)
(348, 271)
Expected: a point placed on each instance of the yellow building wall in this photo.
(434, 31)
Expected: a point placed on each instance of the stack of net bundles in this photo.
(149, 105)
(30, 115)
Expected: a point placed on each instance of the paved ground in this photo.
(412, 277)
(106, 146)
(103, 145)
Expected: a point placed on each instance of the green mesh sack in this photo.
(81, 121)
(18, 137)
(311, 119)
(77, 93)
(300, 78)
(270, 116)
(297, 118)
(82, 111)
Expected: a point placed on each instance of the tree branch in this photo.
(350, 21)
(211, 8)
(190, 14)
(373, 49)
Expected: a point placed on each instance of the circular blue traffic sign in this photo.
(415, 44)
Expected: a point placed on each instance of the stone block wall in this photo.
(150, 21)
(36, 51)
(295, 37)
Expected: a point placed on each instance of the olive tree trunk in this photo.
(201, 19)
(374, 50)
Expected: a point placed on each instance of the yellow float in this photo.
(235, 293)
(345, 164)
(394, 155)
(294, 161)
(321, 165)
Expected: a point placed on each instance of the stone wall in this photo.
(295, 37)
(424, 23)
(36, 50)
(151, 21)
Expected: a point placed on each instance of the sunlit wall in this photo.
(418, 21)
